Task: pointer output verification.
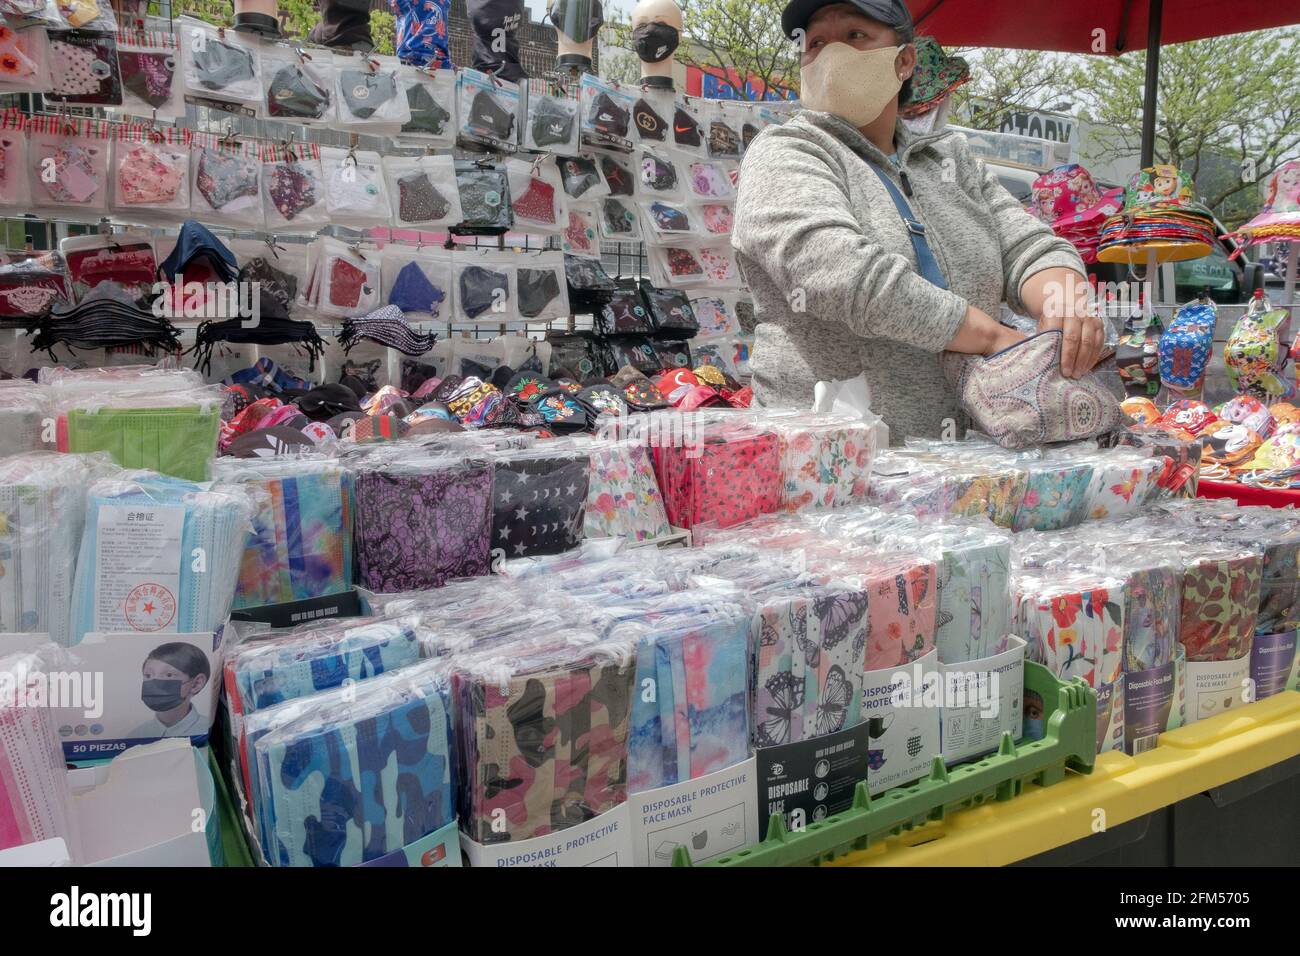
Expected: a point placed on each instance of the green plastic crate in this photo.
(1070, 743)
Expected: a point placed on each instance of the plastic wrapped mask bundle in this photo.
(352, 774)
(1277, 532)
(697, 720)
(1073, 623)
(311, 658)
(1153, 580)
(824, 463)
(42, 514)
(1122, 483)
(35, 795)
(973, 584)
(730, 475)
(623, 497)
(810, 661)
(147, 428)
(1221, 587)
(538, 501)
(543, 736)
(901, 608)
(23, 410)
(1054, 493)
(158, 554)
(301, 546)
(996, 494)
(422, 522)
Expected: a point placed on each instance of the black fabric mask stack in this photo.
(104, 323)
(387, 326)
(268, 331)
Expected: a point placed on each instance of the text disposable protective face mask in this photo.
(851, 83)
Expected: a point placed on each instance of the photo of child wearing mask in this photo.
(173, 675)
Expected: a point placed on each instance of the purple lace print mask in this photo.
(417, 531)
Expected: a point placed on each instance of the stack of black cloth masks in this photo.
(264, 331)
(386, 326)
(100, 322)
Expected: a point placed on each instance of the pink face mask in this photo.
(146, 178)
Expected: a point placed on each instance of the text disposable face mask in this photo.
(851, 83)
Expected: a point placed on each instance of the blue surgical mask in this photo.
(1034, 729)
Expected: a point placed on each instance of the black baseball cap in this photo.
(892, 13)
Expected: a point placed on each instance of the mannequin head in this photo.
(576, 24)
(656, 30)
(257, 16)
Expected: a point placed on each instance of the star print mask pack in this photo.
(538, 501)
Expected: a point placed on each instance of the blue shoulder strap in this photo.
(926, 263)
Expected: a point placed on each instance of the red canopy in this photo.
(1069, 27)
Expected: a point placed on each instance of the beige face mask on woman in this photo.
(852, 83)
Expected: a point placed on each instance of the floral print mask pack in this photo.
(1121, 486)
(1220, 604)
(901, 601)
(623, 500)
(1052, 495)
(823, 466)
(1071, 630)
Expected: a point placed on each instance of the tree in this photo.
(741, 38)
(1004, 81)
(1228, 111)
(216, 12)
(297, 17)
(383, 30)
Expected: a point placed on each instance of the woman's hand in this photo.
(1062, 299)
(981, 334)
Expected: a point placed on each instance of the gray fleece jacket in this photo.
(833, 272)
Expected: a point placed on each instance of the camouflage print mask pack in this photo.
(350, 775)
(544, 736)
